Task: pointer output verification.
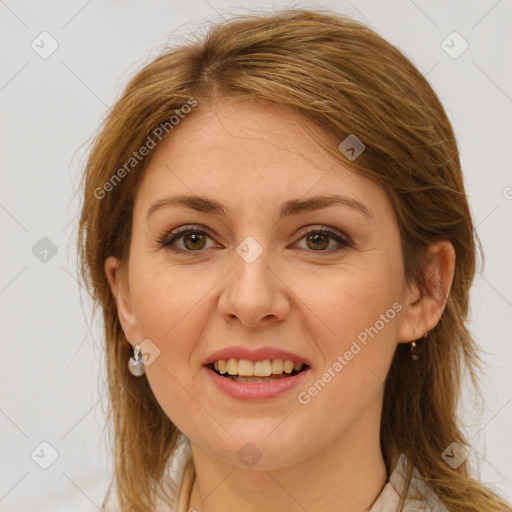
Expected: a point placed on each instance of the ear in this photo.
(423, 308)
(118, 279)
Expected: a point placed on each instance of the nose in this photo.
(254, 293)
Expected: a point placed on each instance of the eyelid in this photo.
(174, 234)
(321, 228)
(340, 237)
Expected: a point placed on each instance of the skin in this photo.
(323, 455)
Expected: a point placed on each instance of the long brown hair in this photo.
(344, 78)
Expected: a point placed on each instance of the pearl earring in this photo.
(135, 364)
(414, 355)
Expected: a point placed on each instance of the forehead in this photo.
(246, 151)
(259, 133)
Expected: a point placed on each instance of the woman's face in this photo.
(249, 279)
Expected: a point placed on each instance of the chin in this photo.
(258, 450)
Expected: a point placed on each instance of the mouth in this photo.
(247, 371)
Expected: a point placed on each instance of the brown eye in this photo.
(318, 241)
(194, 240)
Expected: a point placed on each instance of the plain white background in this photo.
(51, 362)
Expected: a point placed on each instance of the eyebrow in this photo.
(288, 208)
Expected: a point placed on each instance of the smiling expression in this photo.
(323, 271)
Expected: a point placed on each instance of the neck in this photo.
(347, 476)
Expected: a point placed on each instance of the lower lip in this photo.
(255, 391)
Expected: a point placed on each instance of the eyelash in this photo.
(166, 242)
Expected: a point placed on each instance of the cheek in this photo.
(170, 311)
(167, 301)
(359, 322)
(357, 343)
(356, 297)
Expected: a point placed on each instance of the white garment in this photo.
(419, 496)
(387, 500)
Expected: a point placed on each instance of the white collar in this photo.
(420, 497)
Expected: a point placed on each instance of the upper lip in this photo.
(254, 354)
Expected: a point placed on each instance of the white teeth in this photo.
(253, 380)
(232, 366)
(245, 368)
(288, 366)
(277, 366)
(264, 368)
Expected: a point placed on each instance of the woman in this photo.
(275, 228)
